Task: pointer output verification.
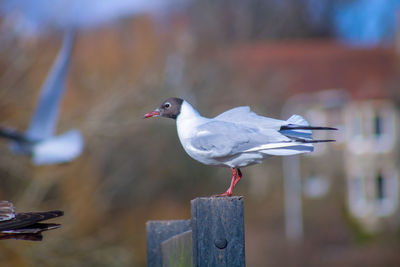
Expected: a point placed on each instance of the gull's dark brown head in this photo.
(170, 108)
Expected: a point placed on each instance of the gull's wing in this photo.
(6, 211)
(244, 115)
(44, 119)
(295, 128)
(220, 139)
(275, 137)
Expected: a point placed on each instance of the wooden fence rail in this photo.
(213, 237)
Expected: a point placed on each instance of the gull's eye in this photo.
(167, 105)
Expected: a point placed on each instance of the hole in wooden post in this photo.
(221, 243)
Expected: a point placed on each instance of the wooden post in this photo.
(177, 251)
(159, 231)
(218, 231)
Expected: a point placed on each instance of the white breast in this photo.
(187, 121)
(186, 124)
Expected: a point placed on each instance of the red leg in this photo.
(236, 175)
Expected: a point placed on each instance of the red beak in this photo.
(154, 113)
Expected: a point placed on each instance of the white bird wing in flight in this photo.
(58, 149)
(44, 119)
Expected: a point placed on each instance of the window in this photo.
(384, 129)
(380, 190)
(373, 193)
(386, 192)
(370, 127)
(377, 126)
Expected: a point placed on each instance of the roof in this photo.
(310, 66)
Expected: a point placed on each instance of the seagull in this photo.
(25, 226)
(39, 140)
(238, 137)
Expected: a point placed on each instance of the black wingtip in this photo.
(320, 141)
(311, 141)
(297, 127)
(12, 134)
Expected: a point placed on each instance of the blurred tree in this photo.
(237, 20)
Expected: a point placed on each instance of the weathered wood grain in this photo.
(177, 251)
(218, 231)
(159, 231)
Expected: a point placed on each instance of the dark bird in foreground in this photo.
(238, 137)
(25, 226)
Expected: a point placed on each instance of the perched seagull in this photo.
(238, 137)
(39, 140)
(25, 226)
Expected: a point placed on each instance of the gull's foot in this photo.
(226, 194)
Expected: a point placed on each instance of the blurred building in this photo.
(371, 155)
(348, 88)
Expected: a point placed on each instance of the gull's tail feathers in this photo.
(299, 127)
(286, 148)
(299, 130)
(297, 122)
(311, 141)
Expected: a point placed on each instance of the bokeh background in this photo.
(334, 62)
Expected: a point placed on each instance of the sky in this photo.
(357, 22)
(29, 17)
(366, 22)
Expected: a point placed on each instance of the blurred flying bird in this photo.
(39, 140)
(238, 137)
(25, 226)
